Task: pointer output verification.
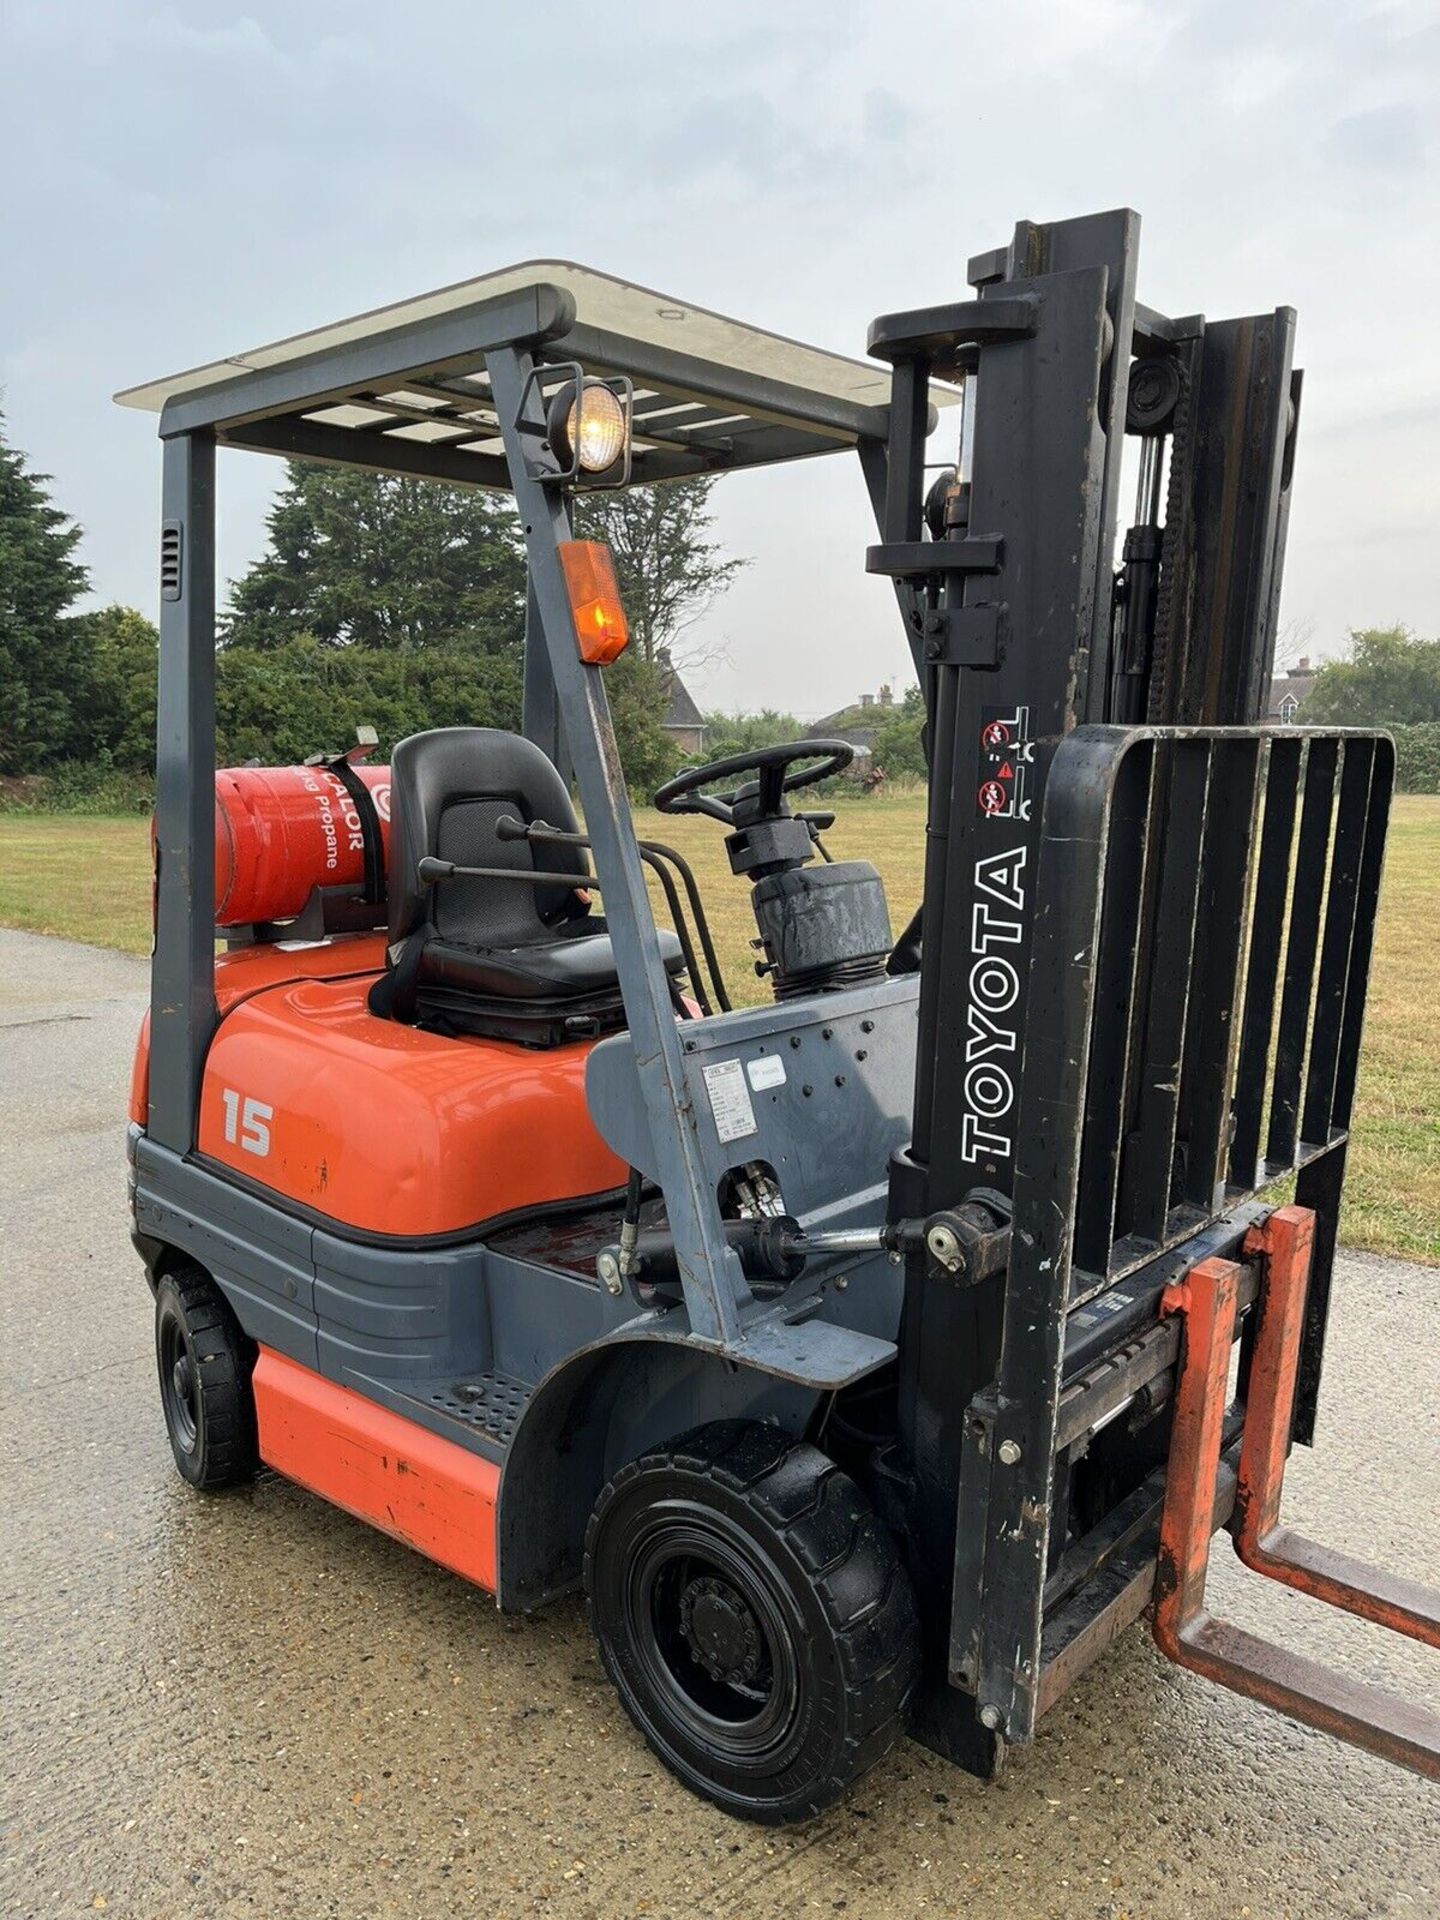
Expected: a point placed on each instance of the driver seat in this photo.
(505, 958)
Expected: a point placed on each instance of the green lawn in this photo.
(89, 879)
(81, 876)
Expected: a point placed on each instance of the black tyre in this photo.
(754, 1616)
(204, 1361)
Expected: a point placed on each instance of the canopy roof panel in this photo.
(404, 387)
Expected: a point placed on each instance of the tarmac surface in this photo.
(252, 1705)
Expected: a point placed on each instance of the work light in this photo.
(586, 430)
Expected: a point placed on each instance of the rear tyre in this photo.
(754, 1616)
(204, 1363)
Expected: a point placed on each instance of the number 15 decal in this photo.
(247, 1121)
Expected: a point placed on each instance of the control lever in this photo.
(431, 870)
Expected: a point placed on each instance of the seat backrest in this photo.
(448, 788)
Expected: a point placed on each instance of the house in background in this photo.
(1289, 691)
(682, 719)
(858, 725)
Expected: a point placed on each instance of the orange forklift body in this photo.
(384, 1129)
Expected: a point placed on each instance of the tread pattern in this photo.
(228, 1452)
(854, 1565)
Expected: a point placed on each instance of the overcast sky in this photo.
(185, 181)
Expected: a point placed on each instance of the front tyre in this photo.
(754, 1616)
(204, 1363)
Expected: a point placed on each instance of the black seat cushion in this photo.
(580, 963)
(481, 953)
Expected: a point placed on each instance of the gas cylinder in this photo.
(281, 831)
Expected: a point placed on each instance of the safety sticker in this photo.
(730, 1100)
(1006, 756)
(767, 1071)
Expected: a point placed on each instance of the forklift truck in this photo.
(865, 1355)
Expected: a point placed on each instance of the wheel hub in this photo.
(180, 1376)
(720, 1630)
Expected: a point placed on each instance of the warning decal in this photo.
(767, 1071)
(1006, 754)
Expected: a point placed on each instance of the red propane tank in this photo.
(279, 831)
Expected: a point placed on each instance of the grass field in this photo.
(89, 879)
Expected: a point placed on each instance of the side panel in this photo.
(260, 1257)
(390, 1316)
(433, 1495)
(824, 1098)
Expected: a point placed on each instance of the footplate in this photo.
(1185, 1630)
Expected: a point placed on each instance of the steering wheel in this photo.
(759, 799)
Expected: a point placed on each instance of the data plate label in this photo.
(730, 1100)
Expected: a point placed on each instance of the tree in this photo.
(401, 603)
(114, 703)
(730, 733)
(636, 690)
(1392, 678)
(668, 568)
(369, 560)
(42, 653)
(897, 747)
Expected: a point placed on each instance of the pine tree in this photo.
(369, 560)
(43, 655)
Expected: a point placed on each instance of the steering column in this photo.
(821, 928)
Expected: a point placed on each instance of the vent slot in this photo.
(171, 547)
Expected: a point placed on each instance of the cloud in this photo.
(886, 116)
(191, 178)
(1380, 140)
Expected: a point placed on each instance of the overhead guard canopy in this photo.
(404, 387)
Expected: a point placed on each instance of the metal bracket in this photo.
(918, 559)
(966, 636)
(971, 1242)
(929, 333)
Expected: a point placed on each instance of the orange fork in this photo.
(1184, 1628)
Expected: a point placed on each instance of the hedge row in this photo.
(1417, 757)
(81, 787)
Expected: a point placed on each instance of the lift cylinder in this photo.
(281, 831)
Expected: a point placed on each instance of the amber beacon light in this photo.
(601, 629)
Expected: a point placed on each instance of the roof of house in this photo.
(861, 738)
(1295, 686)
(680, 707)
(859, 722)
